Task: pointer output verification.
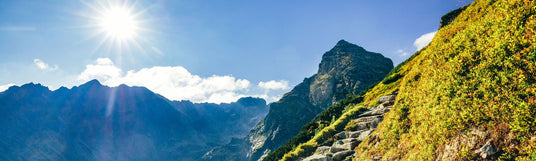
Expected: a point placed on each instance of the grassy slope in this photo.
(478, 72)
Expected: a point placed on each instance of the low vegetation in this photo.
(479, 72)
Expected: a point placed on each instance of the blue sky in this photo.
(213, 51)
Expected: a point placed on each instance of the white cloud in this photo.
(5, 87)
(268, 98)
(402, 52)
(174, 83)
(44, 66)
(424, 40)
(104, 69)
(273, 85)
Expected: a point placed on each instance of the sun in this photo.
(118, 22)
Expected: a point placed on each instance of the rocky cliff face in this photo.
(95, 122)
(347, 69)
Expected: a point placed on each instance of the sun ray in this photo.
(119, 23)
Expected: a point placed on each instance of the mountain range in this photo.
(96, 122)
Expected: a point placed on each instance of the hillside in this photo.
(346, 69)
(96, 122)
(469, 95)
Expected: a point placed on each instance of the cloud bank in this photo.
(424, 40)
(177, 83)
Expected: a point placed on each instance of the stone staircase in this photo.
(361, 127)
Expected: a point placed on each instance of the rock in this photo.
(339, 156)
(347, 144)
(364, 135)
(354, 134)
(323, 150)
(335, 150)
(386, 98)
(487, 150)
(369, 118)
(376, 157)
(374, 123)
(449, 17)
(385, 106)
(318, 157)
(378, 111)
(359, 126)
(341, 135)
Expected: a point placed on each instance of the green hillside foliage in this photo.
(479, 72)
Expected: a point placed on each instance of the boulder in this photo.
(318, 157)
(355, 134)
(339, 156)
(341, 135)
(369, 118)
(487, 150)
(364, 135)
(323, 150)
(335, 150)
(386, 98)
(378, 111)
(376, 157)
(347, 144)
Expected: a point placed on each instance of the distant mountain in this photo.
(345, 70)
(96, 122)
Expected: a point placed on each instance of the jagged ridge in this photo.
(96, 122)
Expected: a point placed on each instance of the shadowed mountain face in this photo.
(345, 70)
(95, 122)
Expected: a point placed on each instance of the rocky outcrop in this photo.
(347, 69)
(357, 130)
(449, 17)
(474, 144)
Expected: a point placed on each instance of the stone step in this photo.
(385, 106)
(387, 98)
(341, 135)
(347, 144)
(318, 157)
(339, 156)
(354, 134)
(375, 112)
(368, 118)
(364, 123)
(364, 135)
(327, 150)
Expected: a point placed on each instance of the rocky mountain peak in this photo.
(346, 69)
(91, 83)
(345, 46)
(345, 56)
